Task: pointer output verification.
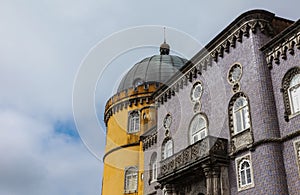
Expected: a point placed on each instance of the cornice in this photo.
(213, 52)
(149, 140)
(283, 45)
(141, 95)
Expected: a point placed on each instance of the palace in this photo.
(226, 121)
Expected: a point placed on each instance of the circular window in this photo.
(235, 73)
(167, 121)
(196, 91)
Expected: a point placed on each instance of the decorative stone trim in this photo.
(125, 104)
(225, 46)
(140, 95)
(235, 82)
(258, 143)
(149, 141)
(245, 137)
(285, 88)
(281, 50)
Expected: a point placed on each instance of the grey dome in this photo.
(158, 68)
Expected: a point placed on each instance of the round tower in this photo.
(129, 114)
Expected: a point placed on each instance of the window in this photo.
(196, 91)
(294, 94)
(134, 122)
(167, 148)
(244, 172)
(297, 153)
(153, 167)
(241, 117)
(131, 179)
(291, 92)
(198, 128)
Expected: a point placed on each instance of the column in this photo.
(209, 179)
(216, 180)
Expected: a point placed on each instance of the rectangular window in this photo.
(133, 122)
(297, 154)
(295, 93)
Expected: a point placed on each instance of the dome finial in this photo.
(164, 47)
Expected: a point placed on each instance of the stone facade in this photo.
(262, 158)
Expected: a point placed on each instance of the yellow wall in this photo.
(117, 161)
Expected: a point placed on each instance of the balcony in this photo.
(208, 151)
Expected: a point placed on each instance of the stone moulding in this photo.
(210, 55)
(286, 43)
(281, 51)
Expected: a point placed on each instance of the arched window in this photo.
(291, 92)
(241, 118)
(153, 167)
(198, 128)
(131, 179)
(167, 149)
(294, 94)
(133, 122)
(245, 173)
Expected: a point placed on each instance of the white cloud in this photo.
(36, 160)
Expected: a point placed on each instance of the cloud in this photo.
(36, 160)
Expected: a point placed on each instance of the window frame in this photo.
(292, 98)
(244, 174)
(167, 148)
(153, 168)
(297, 154)
(286, 82)
(134, 121)
(198, 133)
(244, 116)
(131, 175)
(232, 117)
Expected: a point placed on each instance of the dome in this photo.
(158, 68)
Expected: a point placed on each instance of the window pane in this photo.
(238, 125)
(195, 138)
(203, 134)
(168, 149)
(248, 176)
(243, 177)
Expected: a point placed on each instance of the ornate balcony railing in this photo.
(210, 148)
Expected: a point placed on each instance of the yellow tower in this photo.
(128, 115)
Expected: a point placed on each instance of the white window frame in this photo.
(294, 94)
(297, 154)
(153, 167)
(243, 174)
(131, 180)
(168, 149)
(134, 122)
(199, 134)
(241, 115)
(154, 170)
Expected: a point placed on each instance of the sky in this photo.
(43, 47)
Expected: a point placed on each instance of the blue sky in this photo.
(42, 46)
